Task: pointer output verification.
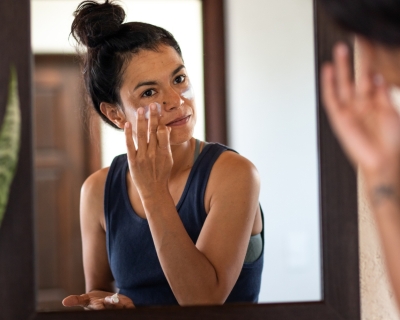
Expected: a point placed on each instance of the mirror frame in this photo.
(338, 191)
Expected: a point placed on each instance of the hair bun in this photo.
(94, 22)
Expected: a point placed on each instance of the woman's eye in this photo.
(180, 79)
(148, 93)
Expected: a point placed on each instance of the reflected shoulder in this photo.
(94, 184)
(92, 198)
(233, 174)
(235, 165)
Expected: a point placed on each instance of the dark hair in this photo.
(110, 45)
(378, 20)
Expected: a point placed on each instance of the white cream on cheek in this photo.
(188, 93)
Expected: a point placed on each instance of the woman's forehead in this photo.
(151, 63)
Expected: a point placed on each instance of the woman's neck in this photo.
(182, 155)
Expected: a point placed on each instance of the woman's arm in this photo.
(95, 260)
(98, 277)
(368, 127)
(205, 272)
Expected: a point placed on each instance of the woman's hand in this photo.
(150, 165)
(98, 300)
(363, 117)
(368, 127)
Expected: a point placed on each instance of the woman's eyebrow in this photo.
(153, 83)
(145, 83)
(177, 69)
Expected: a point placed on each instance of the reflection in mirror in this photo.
(272, 122)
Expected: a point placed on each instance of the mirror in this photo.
(286, 160)
(336, 182)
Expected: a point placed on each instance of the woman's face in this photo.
(160, 77)
(388, 63)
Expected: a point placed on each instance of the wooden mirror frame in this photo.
(338, 191)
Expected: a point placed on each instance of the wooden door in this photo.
(64, 157)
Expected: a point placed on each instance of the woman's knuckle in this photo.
(141, 134)
(153, 130)
(140, 160)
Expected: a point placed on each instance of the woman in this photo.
(170, 221)
(363, 115)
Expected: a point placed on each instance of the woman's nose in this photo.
(171, 100)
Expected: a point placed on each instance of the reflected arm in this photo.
(96, 267)
(205, 272)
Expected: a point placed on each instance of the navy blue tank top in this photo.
(131, 252)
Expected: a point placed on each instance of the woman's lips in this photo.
(178, 122)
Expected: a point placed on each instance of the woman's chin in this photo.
(179, 136)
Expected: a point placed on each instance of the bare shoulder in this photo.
(232, 166)
(232, 177)
(94, 184)
(92, 200)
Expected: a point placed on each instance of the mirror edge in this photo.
(17, 294)
(338, 192)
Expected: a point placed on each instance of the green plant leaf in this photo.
(10, 132)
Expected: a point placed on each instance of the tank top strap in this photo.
(116, 180)
(196, 184)
(196, 150)
(114, 200)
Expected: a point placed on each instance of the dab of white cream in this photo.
(188, 93)
(147, 110)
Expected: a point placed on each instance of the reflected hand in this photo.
(363, 117)
(98, 300)
(150, 165)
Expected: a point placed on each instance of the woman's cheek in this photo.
(188, 93)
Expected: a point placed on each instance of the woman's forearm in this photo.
(191, 276)
(385, 200)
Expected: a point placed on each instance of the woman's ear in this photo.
(113, 113)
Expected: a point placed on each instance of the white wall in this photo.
(51, 25)
(272, 121)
